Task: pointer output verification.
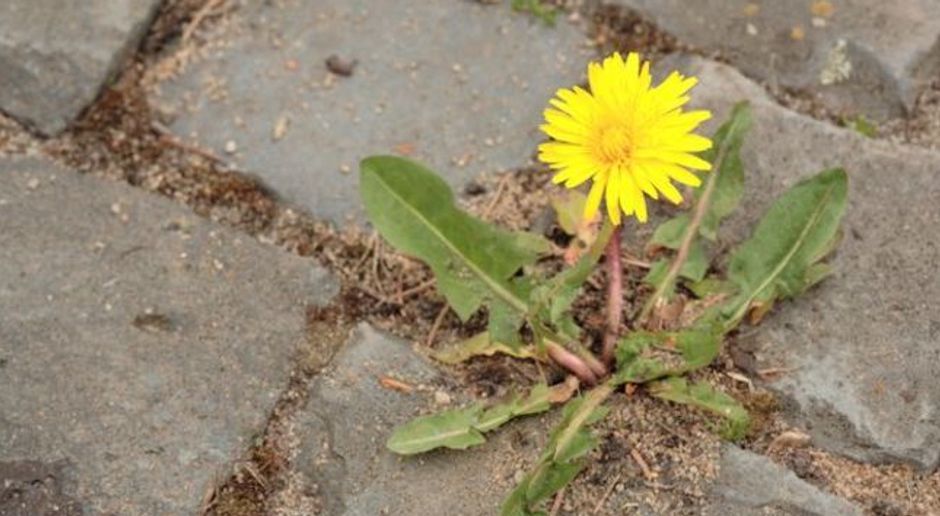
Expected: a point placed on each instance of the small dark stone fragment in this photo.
(340, 66)
(154, 323)
(473, 189)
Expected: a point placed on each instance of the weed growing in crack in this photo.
(630, 140)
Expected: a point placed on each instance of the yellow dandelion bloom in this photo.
(629, 137)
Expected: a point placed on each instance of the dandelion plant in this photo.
(629, 140)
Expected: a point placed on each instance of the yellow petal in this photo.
(680, 174)
(643, 181)
(613, 196)
(660, 180)
(579, 174)
(638, 200)
(594, 196)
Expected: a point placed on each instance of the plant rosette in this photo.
(630, 141)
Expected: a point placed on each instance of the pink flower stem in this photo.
(571, 362)
(614, 296)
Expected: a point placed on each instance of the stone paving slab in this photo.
(349, 416)
(860, 56)
(752, 485)
(56, 55)
(457, 84)
(865, 344)
(141, 347)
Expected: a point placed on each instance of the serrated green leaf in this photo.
(559, 292)
(539, 486)
(478, 345)
(464, 427)
(549, 478)
(729, 173)
(472, 261)
(703, 395)
(693, 268)
(715, 200)
(516, 505)
(697, 348)
(539, 400)
(569, 441)
(798, 230)
(669, 234)
(563, 457)
(449, 429)
(711, 287)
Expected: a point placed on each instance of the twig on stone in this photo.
(405, 294)
(200, 15)
(167, 137)
(499, 192)
(638, 458)
(610, 489)
(437, 325)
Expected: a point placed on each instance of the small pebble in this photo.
(340, 66)
(231, 146)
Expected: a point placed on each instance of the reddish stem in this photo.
(571, 362)
(614, 296)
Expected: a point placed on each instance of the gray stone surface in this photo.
(865, 344)
(349, 417)
(867, 56)
(457, 84)
(141, 347)
(56, 55)
(751, 485)
(28, 488)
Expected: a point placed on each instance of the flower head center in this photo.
(614, 144)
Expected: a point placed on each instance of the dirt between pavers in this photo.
(120, 138)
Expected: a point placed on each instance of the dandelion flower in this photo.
(631, 139)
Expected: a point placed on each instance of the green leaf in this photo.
(644, 356)
(712, 287)
(669, 234)
(703, 395)
(715, 200)
(463, 428)
(559, 292)
(449, 429)
(563, 457)
(572, 441)
(472, 261)
(539, 400)
(693, 268)
(862, 126)
(729, 173)
(544, 12)
(781, 259)
(549, 478)
(478, 345)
